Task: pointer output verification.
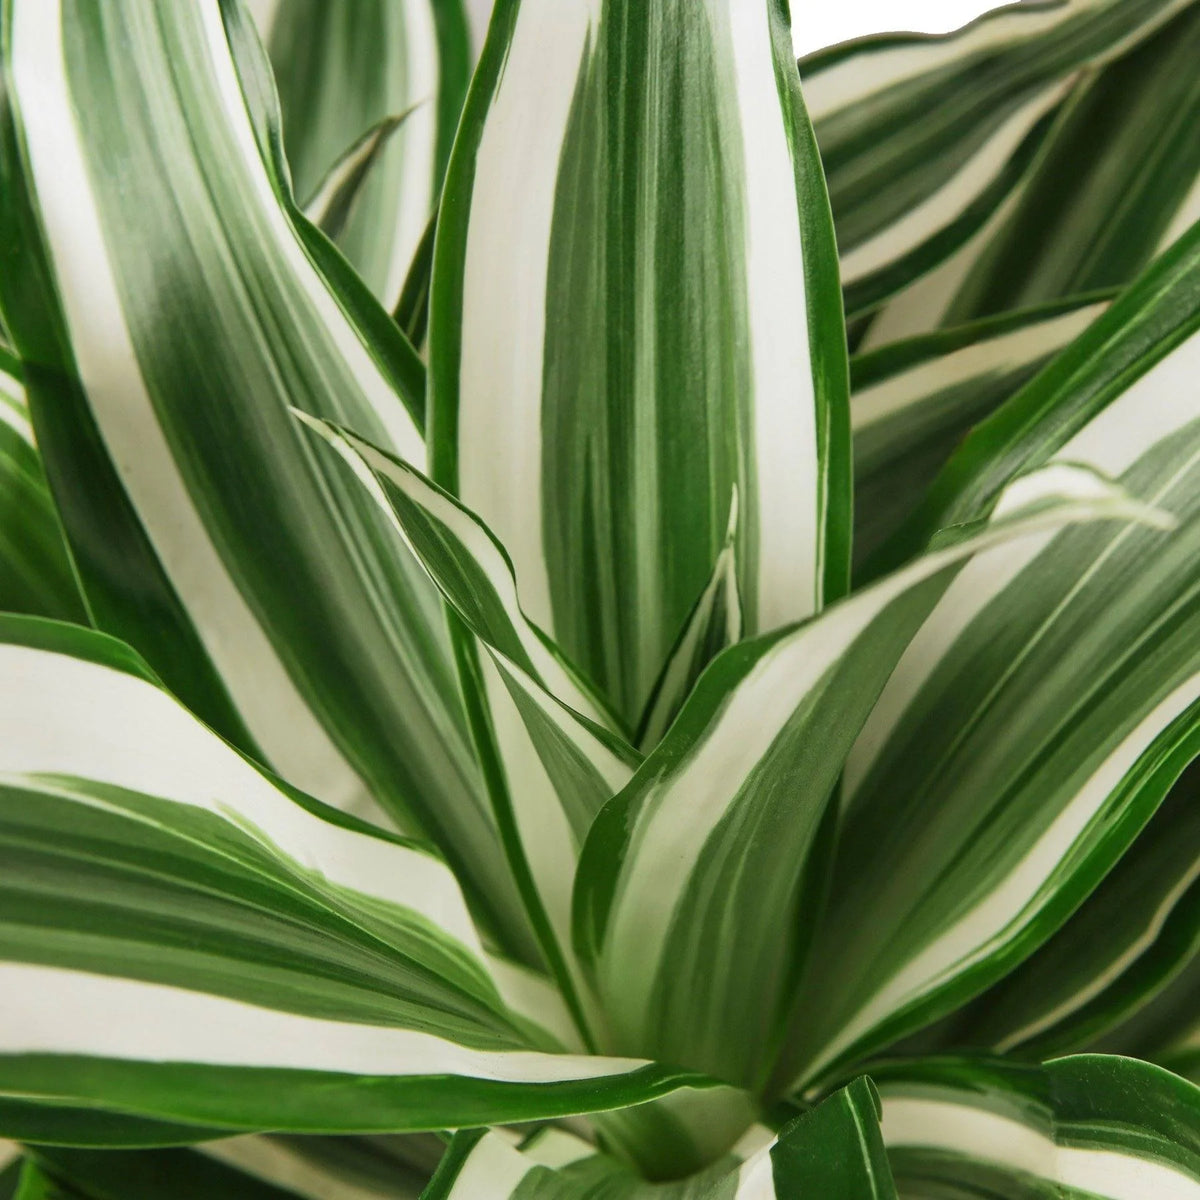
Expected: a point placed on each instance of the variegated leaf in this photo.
(341, 69)
(1046, 706)
(35, 573)
(832, 1152)
(913, 402)
(1085, 1128)
(923, 137)
(170, 304)
(186, 940)
(635, 308)
(712, 834)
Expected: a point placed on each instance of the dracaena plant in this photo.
(495, 703)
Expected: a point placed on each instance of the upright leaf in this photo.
(1045, 708)
(340, 70)
(635, 307)
(923, 137)
(170, 305)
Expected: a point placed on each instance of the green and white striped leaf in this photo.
(1090, 1127)
(922, 138)
(1115, 184)
(1118, 183)
(35, 573)
(1132, 938)
(341, 70)
(553, 754)
(635, 308)
(1046, 707)
(186, 940)
(171, 305)
(913, 402)
(833, 1152)
(712, 834)
(714, 623)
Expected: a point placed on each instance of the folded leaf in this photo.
(170, 305)
(912, 403)
(1118, 182)
(343, 68)
(554, 759)
(833, 1152)
(1085, 1128)
(1045, 708)
(922, 138)
(634, 309)
(681, 869)
(186, 940)
(35, 573)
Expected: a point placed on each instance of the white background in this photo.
(822, 22)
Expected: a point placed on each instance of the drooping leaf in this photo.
(635, 308)
(833, 1152)
(1115, 183)
(923, 137)
(1045, 708)
(35, 573)
(186, 940)
(691, 884)
(341, 69)
(914, 401)
(170, 304)
(1131, 939)
(1090, 1127)
(1118, 183)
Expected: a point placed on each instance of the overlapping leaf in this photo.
(1115, 183)
(170, 304)
(1045, 708)
(715, 828)
(35, 574)
(1084, 1128)
(1119, 182)
(341, 70)
(922, 138)
(914, 401)
(187, 941)
(634, 309)
(833, 1151)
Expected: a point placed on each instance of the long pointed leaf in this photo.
(343, 68)
(923, 137)
(186, 940)
(1047, 705)
(714, 829)
(171, 304)
(914, 401)
(634, 308)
